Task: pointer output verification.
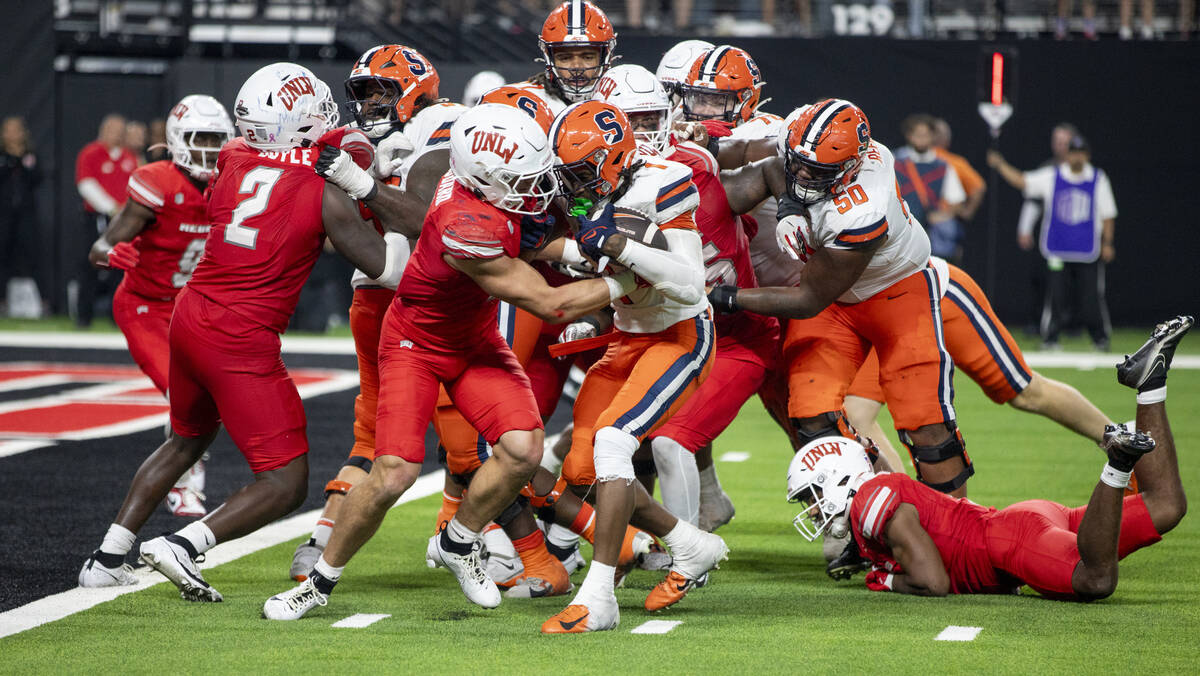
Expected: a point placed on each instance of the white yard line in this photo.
(116, 341)
(360, 620)
(956, 633)
(734, 456)
(79, 599)
(656, 626)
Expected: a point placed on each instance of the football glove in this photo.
(391, 152)
(337, 166)
(535, 230)
(787, 236)
(724, 298)
(123, 256)
(593, 233)
(880, 579)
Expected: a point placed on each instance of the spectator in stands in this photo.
(1187, 13)
(1077, 238)
(158, 141)
(135, 140)
(1064, 16)
(1146, 30)
(803, 15)
(931, 187)
(19, 232)
(102, 172)
(681, 10)
(972, 183)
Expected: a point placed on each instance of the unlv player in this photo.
(746, 343)
(662, 350)
(157, 238)
(578, 44)
(392, 91)
(270, 215)
(676, 63)
(441, 329)
(927, 543)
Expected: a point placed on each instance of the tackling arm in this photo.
(748, 186)
(127, 224)
(677, 273)
(828, 274)
(353, 237)
(403, 211)
(514, 281)
(923, 574)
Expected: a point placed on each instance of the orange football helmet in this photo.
(516, 97)
(723, 83)
(577, 23)
(386, 86)
(594, 144)
(823, 149)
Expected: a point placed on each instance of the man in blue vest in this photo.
(931, 187)
(1076, 238)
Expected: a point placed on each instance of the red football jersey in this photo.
(437, 306)
(956, 525)
(172, 244)
(110, 168)
(265, 210)
(726, 246)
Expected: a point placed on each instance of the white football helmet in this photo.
(197, 127)
(823, 477)
(635, 90)
(282, 106)
(502, 153)
(481, 83)
(675, 64)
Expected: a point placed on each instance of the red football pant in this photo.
(226, 368)
(145, 323)
(1035, 541)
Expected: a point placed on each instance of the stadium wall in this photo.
(1134, 101)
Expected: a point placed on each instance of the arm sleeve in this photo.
(93, 193)
(677, 273)
(952, 188)
(1039, 183)
(1030, 210)
(1106, 204)
(143, 189)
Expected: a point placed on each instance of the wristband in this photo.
(619, 286)
(1155, 396)
(1113, 477)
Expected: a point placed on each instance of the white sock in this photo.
(327, 571)
(1152, 396)
(198, 533)
(598, 584)
(118, 540)
(1114, 477)
(709, 483)
(678, 478)
(561, 536)
(322, 532)
(460, 533)
(682, 535)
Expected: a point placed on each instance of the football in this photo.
(638, 227)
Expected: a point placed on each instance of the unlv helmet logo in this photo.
(819, 451)
(490, 141)
(605, 86)
(293, 89)
(179, 111)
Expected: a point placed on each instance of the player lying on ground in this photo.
(926, 543)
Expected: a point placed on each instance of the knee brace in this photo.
(511, 511)
(365, 464)
(547, 500)
(336, 486)
(952, 447)
(836, 424)
(613, 454)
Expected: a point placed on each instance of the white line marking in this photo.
(656, 626)
(1086, 361)
(79, 599)
(116, 341)
(360, 620)
(17, 446)
(734, 456)
(956, 633)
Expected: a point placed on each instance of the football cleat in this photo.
(848, 562)
(186, 502)
(294, 603)
(173, 562)
(654, 558)
(304, 559)
(504, 571)
(551, 580)
(467, 568)
(571, 558)
(715, 511)
(689, 569)
(1124, 446)
(578, 618)
(96, 574)
(1147, 368)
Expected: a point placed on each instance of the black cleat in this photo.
(847, 564)
(1125, 446)
(1147, 368)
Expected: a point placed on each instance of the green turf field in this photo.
(769, 609)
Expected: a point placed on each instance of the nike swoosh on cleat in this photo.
(571, 625)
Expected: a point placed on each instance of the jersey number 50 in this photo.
(258, 183)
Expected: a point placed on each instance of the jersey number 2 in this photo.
(258, 183)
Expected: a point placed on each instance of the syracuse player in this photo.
(661, 352)
(865, 282)
(157, 238)
(578, 44)
(392, 92)
(746, 343)
(270, 216)
(441, 329)
(926, 543)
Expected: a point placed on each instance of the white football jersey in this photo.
(663, 191)
(553, 103)
(868, 210)
(772, 266)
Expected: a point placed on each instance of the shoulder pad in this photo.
(662, 189)
(474, 233)
(431, 127)
(148, 184)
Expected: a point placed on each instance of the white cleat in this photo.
(304, 559)
(705, 554)
(503, 569)
(715, 511)
(294, 603)
(186, 497)
(173, 562)
(575, 561)
(475, 583)
(96, 574)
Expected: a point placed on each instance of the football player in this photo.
(578, 44)
(271, 215)
(392, 92)
(675, 64)
(441, 329)
(157, 239)
(923, 542)
(659, 354)
(866, 282)
(746, 343)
